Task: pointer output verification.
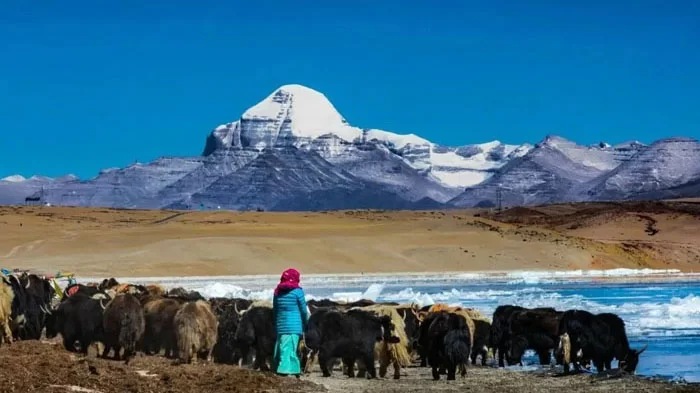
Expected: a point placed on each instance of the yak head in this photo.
(630, 362)
(54, 322)
(388, 328)
(516, 349)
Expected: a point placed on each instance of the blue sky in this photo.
(86, 85)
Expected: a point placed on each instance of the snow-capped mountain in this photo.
(294, 151)
(297, 116)
(658, 171)
(556, 170)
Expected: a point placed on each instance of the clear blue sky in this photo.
(89, 84)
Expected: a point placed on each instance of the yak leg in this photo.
(436, 373)
(384, 362)
(349, 365)
(309, 361)
(7, 332)
(69, 343)
(397, 370)
(608, 364)
(501, 356)
(451, 371)
(368, 358)
(326, 363)
(361, 369)
(545, 358)
(473, 356)
(463, 370)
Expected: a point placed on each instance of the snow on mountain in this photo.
(14, 179)
(293, 150)
(555, 170)
(470, 165)
(396, 141)
(543, 175)
(295, 115)
(310, 113)
(375, 163)
(664, 165)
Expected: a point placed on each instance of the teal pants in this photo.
(286, 358)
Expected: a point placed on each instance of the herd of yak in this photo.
(186, 327)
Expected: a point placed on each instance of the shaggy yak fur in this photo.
(124, 325)
(449, 344)
(196, 331)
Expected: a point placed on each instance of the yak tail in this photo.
(127, 335)
(565, 347)
(457, 347)
(186, 337)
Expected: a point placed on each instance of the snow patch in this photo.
(397, 140)
(311, 113)
(14, 179)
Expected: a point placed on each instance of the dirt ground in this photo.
(45, 367)
(33, 366)
(139, 243)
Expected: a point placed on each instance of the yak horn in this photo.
(402, 314)
(235, 308)
(102, 305)
(29, 283)
(644, 348)
(44, 309)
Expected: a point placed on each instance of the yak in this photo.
(256, 331)
(350, 336)
(536, 329)
(600, 338)
(7, 297)
(195, 329)
(124, 325)
(449, 343)
(228, 312)
(482, 341)
(78, 319)
(159, 333)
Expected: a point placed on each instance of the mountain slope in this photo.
(130, 187)
(273, 176)
(374, 163)
(546, 174)
(658, 171)
(14, 189)
(295, 115)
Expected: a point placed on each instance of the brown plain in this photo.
(106, 242)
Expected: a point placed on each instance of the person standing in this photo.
(291, 315)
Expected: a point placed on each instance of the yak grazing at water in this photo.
(600, 338)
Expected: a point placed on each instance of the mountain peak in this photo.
(14, 179)
(308, 112)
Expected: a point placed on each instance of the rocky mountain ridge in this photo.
(294, 151)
